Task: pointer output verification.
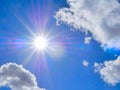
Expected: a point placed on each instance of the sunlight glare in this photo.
(40, 43)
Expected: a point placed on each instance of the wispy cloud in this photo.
(85, 63)
(87, 40)
(17, 78)
(99, 17)
(109, 71)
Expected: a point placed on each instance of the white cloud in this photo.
(17, 78)
(87, 40)
(109, 71)
(85, 63)
(100, 17)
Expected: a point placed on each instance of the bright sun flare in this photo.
(40, 43)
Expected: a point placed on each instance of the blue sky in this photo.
(83, 46)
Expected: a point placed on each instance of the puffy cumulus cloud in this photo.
(87, 40)
(17, 78)
(109, 71)
(100, 17)
(85, 63)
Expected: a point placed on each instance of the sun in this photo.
(40, 43)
